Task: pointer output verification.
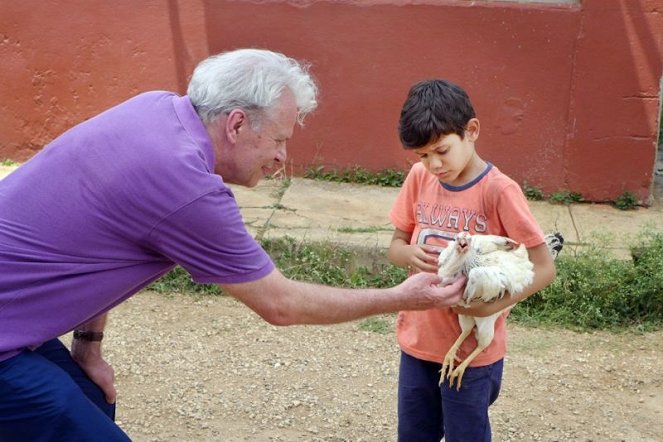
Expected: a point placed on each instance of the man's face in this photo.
(259, 151)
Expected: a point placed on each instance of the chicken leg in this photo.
(485, 331)
(466, 327)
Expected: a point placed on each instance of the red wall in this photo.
(568, 95)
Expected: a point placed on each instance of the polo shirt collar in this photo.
(195, 128)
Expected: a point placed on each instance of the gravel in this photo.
(208, 369)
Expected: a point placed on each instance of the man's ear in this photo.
(235, 123)
(472, 129)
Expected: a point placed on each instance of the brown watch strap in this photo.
(91, 336)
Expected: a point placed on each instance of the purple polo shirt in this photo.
(108, 207)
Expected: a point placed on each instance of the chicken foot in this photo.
(450, 358)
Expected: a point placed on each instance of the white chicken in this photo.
(494, 265)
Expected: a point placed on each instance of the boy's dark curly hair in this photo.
(433, 108)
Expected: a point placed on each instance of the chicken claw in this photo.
(457, 375)
(448, 365)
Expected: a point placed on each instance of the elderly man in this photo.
(117, 201)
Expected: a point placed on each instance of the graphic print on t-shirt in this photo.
(440, 223)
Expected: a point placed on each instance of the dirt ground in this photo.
(208, 369)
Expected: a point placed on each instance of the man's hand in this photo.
(426, 292)
(88, 356)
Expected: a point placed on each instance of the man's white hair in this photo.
(252, 80)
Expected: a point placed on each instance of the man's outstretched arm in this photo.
(281, 301)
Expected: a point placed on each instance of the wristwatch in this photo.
(90, 336)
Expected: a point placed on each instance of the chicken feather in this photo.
(494, 266)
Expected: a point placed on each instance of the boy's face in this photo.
(451, 159)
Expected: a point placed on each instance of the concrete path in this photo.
(356, 216)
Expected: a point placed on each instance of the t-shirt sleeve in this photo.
(516, 217)
(402, 215)
(208, 239)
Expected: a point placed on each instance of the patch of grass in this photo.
(178, 280)
(8, 163)
(593, 291)
(565, 197)
(370, 229)
(359, 175)
(377, 325)
(386, 276)
(309, 262)
(329, 264)
(317, 263)
(626, 201)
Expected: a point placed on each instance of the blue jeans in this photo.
(428, 412)
(45, 396)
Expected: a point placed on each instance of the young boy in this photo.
(451, 190)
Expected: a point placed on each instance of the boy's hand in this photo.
(416, 257)
(421, 258)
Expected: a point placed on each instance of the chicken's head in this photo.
(451, 261)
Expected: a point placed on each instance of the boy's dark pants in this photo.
(428, 412)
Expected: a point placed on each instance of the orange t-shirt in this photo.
(434, 212)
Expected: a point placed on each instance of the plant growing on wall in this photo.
(565, 197)
(626, 201)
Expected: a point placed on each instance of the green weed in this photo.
(359, 175)
(565, 197)
(533, 193)
(626, 201)
(285, 183)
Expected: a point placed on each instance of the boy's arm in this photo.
(418, 257)
(544, 274)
